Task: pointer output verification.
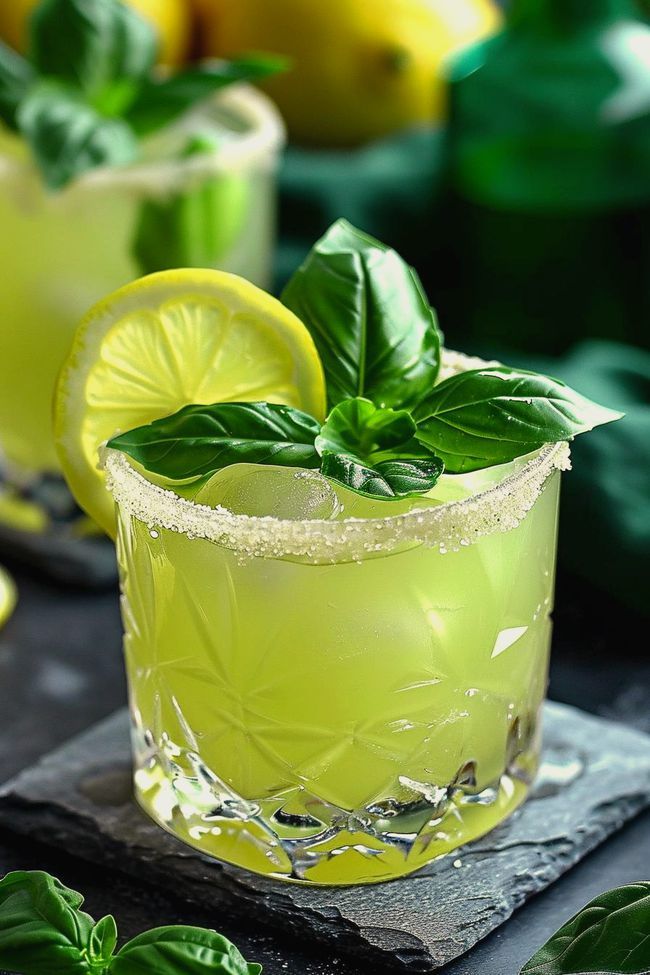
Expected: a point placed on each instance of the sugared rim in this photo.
(448, 526)
(263, 136)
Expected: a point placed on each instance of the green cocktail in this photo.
(337, 616)
(334, 701)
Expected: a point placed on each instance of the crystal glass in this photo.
(203, 194)
(340, 700)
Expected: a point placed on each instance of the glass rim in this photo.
(447, 526)
(264, 136)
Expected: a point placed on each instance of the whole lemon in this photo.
(361, 68)
(171, 18)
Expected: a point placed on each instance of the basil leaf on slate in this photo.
(16, 76)
(199, 440)
(102, 942)
(42, 929)
(91, 43)
(175, 949)
(387, 479)
(369, 317)
(68, 137)
(358, 427)
(610, 936)
(161, 100)
(490, 416)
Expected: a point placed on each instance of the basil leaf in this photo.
(490, 416)
(161, 100)
(199, 440)
(91, 43)
(196, 227)
(102, 942)
(611, 936)
(180, 950)
(16, 76)
(369, 317)
(358, 427)
(42, 930)
(387, 479)
(68, 137)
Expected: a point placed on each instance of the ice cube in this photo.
(353, 505)
(287, 493)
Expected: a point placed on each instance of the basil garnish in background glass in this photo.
(88, 89)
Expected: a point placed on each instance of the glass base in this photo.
(295, 836)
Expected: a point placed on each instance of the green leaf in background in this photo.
(68, 137)
(42, 929)
(195, 227)
(91, 44)
(200, 440)
(369, 317)
(610, 936)
(16, 77)
(358, 427)
(387, 479)
(161, 100)
(490, 416)
(180, 950)
(102, 942)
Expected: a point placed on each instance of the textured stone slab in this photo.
(595, 777)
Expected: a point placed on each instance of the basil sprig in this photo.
(392, 429)
(88, 90)
(611, 935)
(371, 322)
(43, 931)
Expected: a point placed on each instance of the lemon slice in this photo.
(7, 596)
(166, 341)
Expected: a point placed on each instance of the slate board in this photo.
(595, 777)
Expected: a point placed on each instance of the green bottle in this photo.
(548, 210)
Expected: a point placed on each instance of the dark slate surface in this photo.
(595, 777)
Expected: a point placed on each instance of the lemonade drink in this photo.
(338, 701)
(61, 252)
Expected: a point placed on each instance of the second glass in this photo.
(203, 195)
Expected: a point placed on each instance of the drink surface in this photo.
(346, 722)
(549, 204)
(62, 252)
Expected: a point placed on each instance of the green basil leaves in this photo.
(91, 44)
(43, 931)
(161, 100)
(89, 91)
(369, 317)
(67, 136)
(392, 429)
(388, 479)
(490, 416)
(42, 928)
(200, 440)
(16, 77)
(611, 936)
(179, 949)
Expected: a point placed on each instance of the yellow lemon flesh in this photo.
(166, 341)
(361, 68)
(171, 18)
(7, 596)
